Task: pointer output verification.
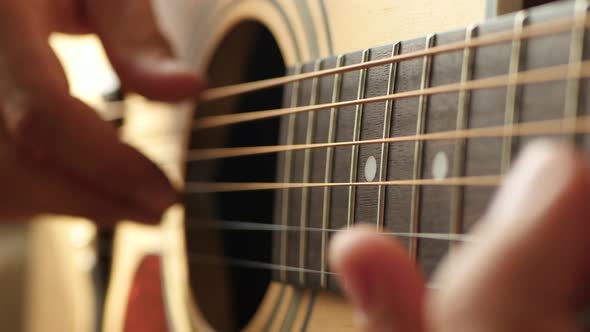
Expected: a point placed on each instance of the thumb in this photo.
(529, 270)
(381, 281)
(138, 51)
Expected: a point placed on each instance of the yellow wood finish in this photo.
(305, 30)
(331, 313)
(132, 242)
(61, 251)
(303, 33)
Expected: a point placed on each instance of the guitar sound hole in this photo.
(248, 53)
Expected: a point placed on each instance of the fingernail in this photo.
(173, 66)
(165, 64)
(540, 173)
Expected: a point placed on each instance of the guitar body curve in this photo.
(303, 31)
(213, 36)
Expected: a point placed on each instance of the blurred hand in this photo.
(56, 154)
(529, 269)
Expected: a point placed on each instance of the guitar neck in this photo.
(421, 190)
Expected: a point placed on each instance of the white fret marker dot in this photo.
(440, 166)
(370, 169)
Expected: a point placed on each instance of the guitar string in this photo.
(531, 31)
(250, 264)
(237, 262)
(232, 262)
(563, 126)
(197, 224)
(534, 76)
(224, 187)
(580, 125)
(208, 259)
(223, 92)
(227, 261)
(256, 265)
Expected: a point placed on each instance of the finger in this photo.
(138, 50)
(529, 271)
(65, 135)
(67, 16)
(30, 189)
(68, 138)
(379, 278)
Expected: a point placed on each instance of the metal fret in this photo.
(358, 115)
(386, 133)
(303, 220)
(511, 113)
(576, 55)
(328, 173)
(460, 145)
(419, 148)
(287, 173)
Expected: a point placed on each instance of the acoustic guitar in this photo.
(324, 114)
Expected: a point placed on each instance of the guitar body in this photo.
(232, 42)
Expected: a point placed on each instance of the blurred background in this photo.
(47, 266)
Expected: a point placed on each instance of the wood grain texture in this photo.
(327, 306)
(198, 28)
(483, 156)
(371, 127)
(318, 172)
(435, 209)
(342, 155)
(295, 206)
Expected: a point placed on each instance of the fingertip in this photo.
(379, 278)
(139, 51)
(535, 226)
(340, 246)
(153, 192)
(350, 246)
(364, 243)
(160, 78)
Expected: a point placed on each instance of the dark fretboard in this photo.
(414, 209)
